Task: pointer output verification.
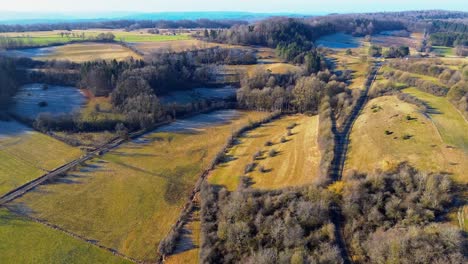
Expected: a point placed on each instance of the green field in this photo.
(295, 163)
(25, 241)
(444, 51)
(129, 199)
(26, 155)
(53, 37)
(449, 121)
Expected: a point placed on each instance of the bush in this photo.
(283, 140)
(272, 153)
(268, 143)
(249, 168)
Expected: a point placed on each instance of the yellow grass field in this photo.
(296, 162)
(25, 241)
(129, 199)
(26, 155)
(81, 52)
(355, 64)
(372, 148)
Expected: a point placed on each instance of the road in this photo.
(341, 148)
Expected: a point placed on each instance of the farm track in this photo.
(337, 165)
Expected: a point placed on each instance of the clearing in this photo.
(129, 198)
(293, 162)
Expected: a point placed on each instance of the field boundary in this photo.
(76, 236)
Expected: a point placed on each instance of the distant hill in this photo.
(34, 18)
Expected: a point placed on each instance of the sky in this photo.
(259, 6)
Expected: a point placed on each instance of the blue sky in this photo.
(295, 6)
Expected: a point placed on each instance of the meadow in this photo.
(43, 38)
(292, 161)
(390, 131)
(129, 198)
(26, 155)
(26, 241)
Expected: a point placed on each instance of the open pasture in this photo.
(26, 154)
(390, 131)
(26, 241)
(33, 99)
(129, 198)
(287, 160)
(43, 38)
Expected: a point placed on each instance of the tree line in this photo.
(119, 24)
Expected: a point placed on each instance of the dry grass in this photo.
(129, 199)
(354, 63)
(81, 52)
(295, 163)
(372, 148)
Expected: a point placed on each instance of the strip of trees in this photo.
(251, 226)
(398, 210)
(8, 83)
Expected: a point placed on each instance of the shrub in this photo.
(272, 153)
(257, 155)
(249, 167)
(268, 143)
(283, 140)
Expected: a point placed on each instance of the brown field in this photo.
(81, 52)
(295, 164)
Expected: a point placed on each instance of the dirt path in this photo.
(337, 165)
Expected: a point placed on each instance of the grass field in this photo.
(450, 123)
(444, 51)
(52, 37)
(129, 198)
(390, 131)
(26, 155)
(295, 163)
(81, 52)
(25, 241)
